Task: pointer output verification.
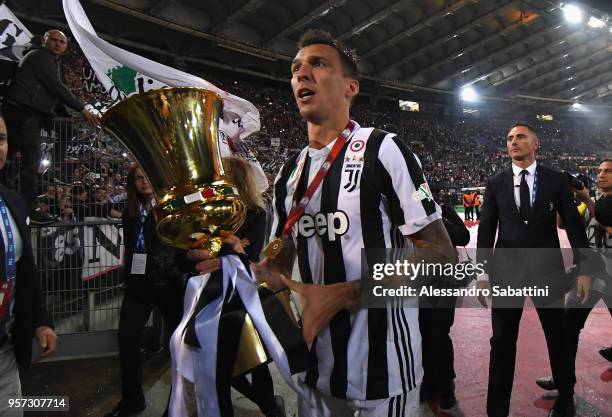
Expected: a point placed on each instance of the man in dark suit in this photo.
(524, 201)
(22, 307)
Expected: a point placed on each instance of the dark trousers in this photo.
(576, 315)
(261, 390)
(469, 213)
(23, 128)
(505, 323)
(135, 312)
(436, 317)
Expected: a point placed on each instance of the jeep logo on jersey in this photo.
(330, 224)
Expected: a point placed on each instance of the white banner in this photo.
(124, 73)
(14, 36)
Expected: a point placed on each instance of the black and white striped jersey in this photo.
(373, 195)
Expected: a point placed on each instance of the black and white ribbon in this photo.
(199, 364)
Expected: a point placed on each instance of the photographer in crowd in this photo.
(600, 238)
(603, 215)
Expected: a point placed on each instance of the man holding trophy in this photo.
(327, 213)
(351, 188)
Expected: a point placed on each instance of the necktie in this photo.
(524, 194)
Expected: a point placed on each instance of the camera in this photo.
(574, 182)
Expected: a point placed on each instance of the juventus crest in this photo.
(353, 164)
(353, 176)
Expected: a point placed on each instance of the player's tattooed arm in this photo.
(433, 244)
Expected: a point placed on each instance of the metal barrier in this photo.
(81, 183)
(79, 267)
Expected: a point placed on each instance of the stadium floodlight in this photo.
(468, 94)
(596, 23)
(572, 13)
(45, 162)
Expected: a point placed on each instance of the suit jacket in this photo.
(525, 259)
(30, 311)
(161, 270)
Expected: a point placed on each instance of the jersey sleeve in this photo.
(411, 202)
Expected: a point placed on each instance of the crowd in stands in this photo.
(455, 153)
(83, 174)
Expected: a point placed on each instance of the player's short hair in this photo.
(348, 57)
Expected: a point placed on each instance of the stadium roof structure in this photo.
(522, 50)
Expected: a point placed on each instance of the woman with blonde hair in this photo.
(252, 232)
(260, 390)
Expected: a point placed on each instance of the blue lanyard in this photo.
(10, 253)
(140, 243)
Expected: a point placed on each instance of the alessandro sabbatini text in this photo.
(402, 273)
(472, 291)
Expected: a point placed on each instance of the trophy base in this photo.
(251, 351)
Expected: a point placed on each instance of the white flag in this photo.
(124, 73)
(14, 36)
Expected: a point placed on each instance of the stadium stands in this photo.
(455, 153)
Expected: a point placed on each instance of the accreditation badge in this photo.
(139, 264)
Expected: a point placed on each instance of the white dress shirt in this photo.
(516, 171)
